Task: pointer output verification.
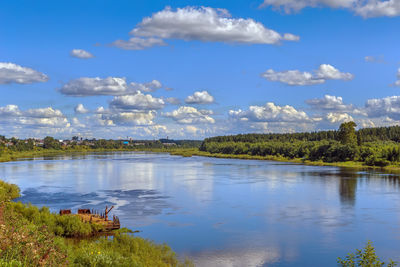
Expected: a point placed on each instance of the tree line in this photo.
(372, 146)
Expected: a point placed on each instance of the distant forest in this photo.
(372, 146)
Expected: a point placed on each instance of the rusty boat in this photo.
(95, 217)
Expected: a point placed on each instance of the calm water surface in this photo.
(225, 212)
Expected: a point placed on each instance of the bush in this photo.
(374, 161)
(364, 258)
(66, 225)
(8, 191)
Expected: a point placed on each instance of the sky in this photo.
(194, 69)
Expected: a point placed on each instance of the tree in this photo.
(347, 133)
(51, 143)
(364, 258)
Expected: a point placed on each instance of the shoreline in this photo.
(346, 164)
(189, 152)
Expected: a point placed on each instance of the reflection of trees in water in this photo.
(347, 190)
(349, 178)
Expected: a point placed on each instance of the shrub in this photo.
(364, 258)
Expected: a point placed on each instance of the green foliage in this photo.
(23, 243)
(364, 258)
(344, 145)
(123, 250)
(66, 225)
(8, 191)
(347, 133)
(51, 143)
(11, 263)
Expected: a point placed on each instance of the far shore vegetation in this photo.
(345, 147)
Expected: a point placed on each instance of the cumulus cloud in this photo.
(9, 111)
(190, 115)
(146, 87)
(95, 86)
(106, 86)
(270, 113)
(200, 24)
(298, 78)
(80, 53)
(330, 103)
(48, 112)
(13, 73)
(381, 107)
(33, 118)
(364, 8)
(137, 101)
(80, 109)
(376, 8)
(128, 118)
(200, 97)
(336, 118)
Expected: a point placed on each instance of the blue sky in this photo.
(196, 69)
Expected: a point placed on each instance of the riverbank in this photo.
(189, 152)
(346, 164)
(30, 236)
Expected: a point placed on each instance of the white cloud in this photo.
(329, 102)
(190, 115)
(270, 113)
(291, 37)
(129, 118)
(297, 78)
(95, 86)
(106, 86)
(33, 118)
(201, 24)
(335, 118)
(397, 83)
(329, 72)
(76, 123)
(376, 8)
(146, 87)
(198, 97)
(136, 43)
(364, 8)
(80, 53)
(100, 110)
(137, 101)
(55, 122)
(48, 112)
(388, 106)
(80, 109)
(9, 111)
(13, 73)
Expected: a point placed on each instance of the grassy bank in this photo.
(39, 152)
(188, 152)
(347, 164)
(30, 236)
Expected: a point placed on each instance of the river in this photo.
(225, 212)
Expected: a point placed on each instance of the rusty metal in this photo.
(65, 212)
